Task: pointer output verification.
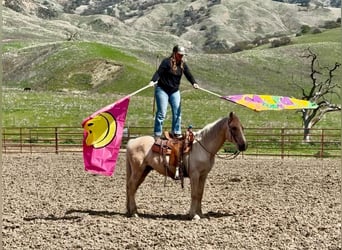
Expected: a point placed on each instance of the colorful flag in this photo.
(268, 102)
(102, 137)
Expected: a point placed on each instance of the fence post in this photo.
(3, 142)
(56, 139)
(21, 140)
(282, 142)
(322, 144)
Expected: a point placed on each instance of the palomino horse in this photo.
(140, 160)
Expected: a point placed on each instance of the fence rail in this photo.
(282, 142)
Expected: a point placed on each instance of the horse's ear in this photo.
(231, 116)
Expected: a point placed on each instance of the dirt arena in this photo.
(50, 202)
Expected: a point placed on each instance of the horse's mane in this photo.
(211, 129)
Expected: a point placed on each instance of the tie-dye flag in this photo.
(269, 102)
(102, 137)
(266, 102)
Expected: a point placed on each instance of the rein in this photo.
(204, 147)
(228, 157)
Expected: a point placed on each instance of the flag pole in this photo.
(208, 91)
(139, 90)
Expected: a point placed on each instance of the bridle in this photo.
(232, 134)
(228, 157)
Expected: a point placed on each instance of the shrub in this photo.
(203, 27)
(216, 46)
(304, 29)
(331, 24)
(240, 46)
(316, 31)
(280, 42)
(258, 41)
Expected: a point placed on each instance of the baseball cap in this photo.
(179, 49)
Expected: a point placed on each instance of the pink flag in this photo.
(102, 137)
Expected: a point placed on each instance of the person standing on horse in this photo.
(166, 80)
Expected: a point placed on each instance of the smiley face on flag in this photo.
(101, 130)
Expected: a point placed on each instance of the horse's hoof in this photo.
(132, 215)
(196, 217)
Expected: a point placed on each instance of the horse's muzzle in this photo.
(243, 147)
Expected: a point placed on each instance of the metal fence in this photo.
(280, 142)
(286, 142)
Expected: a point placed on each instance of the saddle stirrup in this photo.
(177, 173)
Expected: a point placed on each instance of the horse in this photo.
(140, 160)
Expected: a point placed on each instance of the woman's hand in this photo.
(152, 83)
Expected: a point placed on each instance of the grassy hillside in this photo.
(65, 91)
(74, 66)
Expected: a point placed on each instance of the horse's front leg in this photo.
(197, 188)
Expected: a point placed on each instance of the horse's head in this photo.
(235, 132)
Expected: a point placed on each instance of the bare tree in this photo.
(322, 90)
(72, 36)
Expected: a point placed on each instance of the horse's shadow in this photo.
(103, 213)
(68, 215)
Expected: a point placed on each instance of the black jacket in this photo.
(168, 80)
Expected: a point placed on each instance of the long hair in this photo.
(174, 63)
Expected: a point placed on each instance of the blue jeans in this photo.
(162, 100)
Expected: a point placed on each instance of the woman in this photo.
(167, 79)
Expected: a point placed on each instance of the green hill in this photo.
(71, 80)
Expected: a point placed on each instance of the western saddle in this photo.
(175, 148)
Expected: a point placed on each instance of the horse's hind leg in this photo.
(134, 178)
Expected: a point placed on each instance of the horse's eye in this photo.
(234, 128)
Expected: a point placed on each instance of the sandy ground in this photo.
(50, 202)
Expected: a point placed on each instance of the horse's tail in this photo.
(128, 176)
(128, 166)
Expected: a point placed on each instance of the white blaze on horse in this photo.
(141, 159)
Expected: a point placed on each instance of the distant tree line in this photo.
(46, 11)
(214, 45)
(306, 3)
(126, 8)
